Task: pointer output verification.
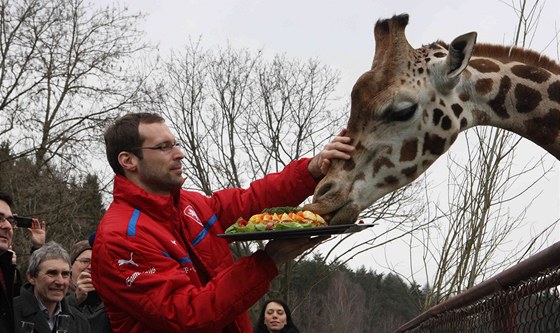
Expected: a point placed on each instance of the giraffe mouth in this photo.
(347, 213)
(333, 203)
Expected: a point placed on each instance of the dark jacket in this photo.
(7, 296)
(26, 308)
(93, 309)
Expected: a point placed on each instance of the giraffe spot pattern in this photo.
(434, 144)
(544, 130)
(464, 96)
(382, 162)
(554, 92)
(391, 180)
(360, 176)
(464, 123)
(409, 150)
(457, 110)
(498, 103)
(426, 163)
(359, 146)
(527, 98)
(349, 165)
(437, 116)
(480, 116)
(446, 123)
(453, 138)
(484, 65)
(483, 86)
(420, 70)
(410, 172)
(534, 74)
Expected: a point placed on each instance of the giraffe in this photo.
(410, 107)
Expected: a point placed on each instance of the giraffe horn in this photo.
(390, 39)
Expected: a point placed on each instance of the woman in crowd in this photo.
(275, 317)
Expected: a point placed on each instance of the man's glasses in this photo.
(166, 146)
(10, 219)
(84, 261)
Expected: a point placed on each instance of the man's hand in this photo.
(283, 250)
(38, 233)
(339, 148)
(84, 286)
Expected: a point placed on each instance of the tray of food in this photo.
(286, 222)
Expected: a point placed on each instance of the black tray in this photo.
(298, 233)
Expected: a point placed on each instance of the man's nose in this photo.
(178, 151)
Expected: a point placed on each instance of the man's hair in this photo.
(7, 198)
(51, 250)
(123, 135)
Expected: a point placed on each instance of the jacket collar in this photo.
(158, 207)
(6, 258)
(31, 303)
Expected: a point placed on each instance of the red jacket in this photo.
(159, 266)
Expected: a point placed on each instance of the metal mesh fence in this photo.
(531, 306)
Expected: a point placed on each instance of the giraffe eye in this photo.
(403, 114)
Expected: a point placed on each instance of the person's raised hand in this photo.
(339, 147)
(38, 233)
(84, 286)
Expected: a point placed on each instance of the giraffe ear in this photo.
(460, 51)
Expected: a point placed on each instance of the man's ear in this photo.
(30, 278)
(128, 160)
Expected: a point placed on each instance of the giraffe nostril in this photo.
(323, 190)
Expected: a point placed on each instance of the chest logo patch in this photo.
(127, 261)
(191, 213)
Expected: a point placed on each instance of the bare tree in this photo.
(342, 296)
(240, 117)
(341, 308)
(65, 70)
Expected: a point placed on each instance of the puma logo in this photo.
(125, 261)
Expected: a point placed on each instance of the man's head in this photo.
(142, 148)
(49, 273)
(6, 228)
(80, 259)
(124, 135)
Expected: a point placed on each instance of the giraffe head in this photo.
(402, 119)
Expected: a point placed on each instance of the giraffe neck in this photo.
(514, 95)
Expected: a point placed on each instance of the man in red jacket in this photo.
(157, 262)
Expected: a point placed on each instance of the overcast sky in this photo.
(340, 34)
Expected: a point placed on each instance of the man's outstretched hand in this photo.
(283, 250)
